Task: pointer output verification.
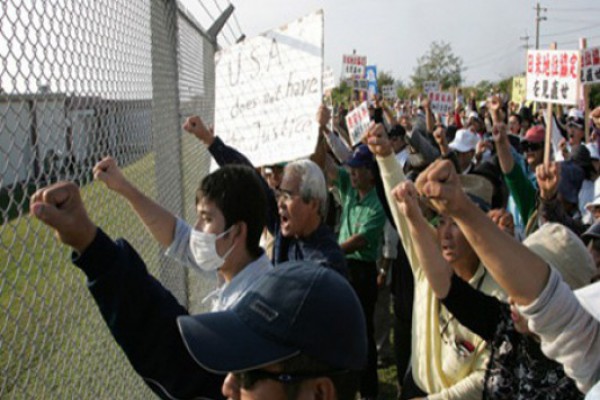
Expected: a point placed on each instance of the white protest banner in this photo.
(553, 76)
(358, 121)
(328, 79)
(268, 89)
(354, 66)
(431, 86)
(388, 92)
(441, 102)
(590, 66)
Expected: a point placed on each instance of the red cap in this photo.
(535, 134)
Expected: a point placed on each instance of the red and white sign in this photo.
(354, 66)
(441, 102)
(590, 66)
(553, 76)
(358, 122)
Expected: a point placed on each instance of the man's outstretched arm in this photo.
(140, 313)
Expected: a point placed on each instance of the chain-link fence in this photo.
(81, 79)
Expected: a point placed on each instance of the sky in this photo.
(394, 33)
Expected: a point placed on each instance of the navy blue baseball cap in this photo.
(361, 157)
(297, 308)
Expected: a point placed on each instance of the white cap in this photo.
(473, 114)
(593, 149)
(575, 113)
(464, 141)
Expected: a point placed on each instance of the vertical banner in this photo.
(590, 66)
(519, 89)
(268, 89)
(371, 75)
(358, 121)
(553, 76)
(328, 79)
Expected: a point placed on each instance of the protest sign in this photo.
(388, 92)
(361, 85)
(358, 121)
(431, 86)
(553, 76)
(354, 66)
(268, 89)
(371, 74)
(328, 79)
(590, 66)
(519, 89)
(441, 102)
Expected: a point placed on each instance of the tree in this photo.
(384, 78)
(438, 64)
(341, 94)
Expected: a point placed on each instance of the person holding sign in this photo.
(361, 231)
(295, 211)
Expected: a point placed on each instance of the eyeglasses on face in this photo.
(527, 146)
(285, 195)
(248, 379)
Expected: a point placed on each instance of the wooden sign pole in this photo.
(549, 121)
(586, 97)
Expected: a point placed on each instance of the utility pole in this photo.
(526, 40)
(538, 19)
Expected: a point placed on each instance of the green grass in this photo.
(53, 343)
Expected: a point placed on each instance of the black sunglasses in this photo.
(247, 379)
(527, 146)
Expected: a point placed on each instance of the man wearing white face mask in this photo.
(225, 237)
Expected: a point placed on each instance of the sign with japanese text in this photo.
(431, 86)
(264, 103)
(590, 66)
(388, 92)
(354, 66)
(358, 121)
(553, 76)
(519, 89)
(441, 102)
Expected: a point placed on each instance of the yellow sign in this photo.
(519, 89)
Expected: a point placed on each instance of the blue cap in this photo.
(297, 308)
(362, 157)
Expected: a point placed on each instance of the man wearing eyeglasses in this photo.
(287, 336)
(295, 211)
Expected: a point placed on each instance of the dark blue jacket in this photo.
(141, 315)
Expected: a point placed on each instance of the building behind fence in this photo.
(80, 80)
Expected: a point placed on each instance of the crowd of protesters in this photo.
(453, 231)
